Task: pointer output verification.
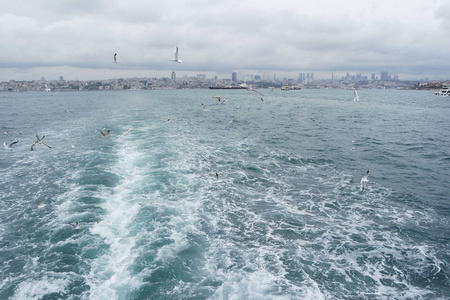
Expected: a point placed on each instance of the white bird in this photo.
(9, 146)
(229, 123)
(39, 141)
(175, 56)
(115, 58)
(74, 225)
(356, 96)
(364, 179)
(105, 134)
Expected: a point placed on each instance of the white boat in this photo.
(444, 92)
(290, 88)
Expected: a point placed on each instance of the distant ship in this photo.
(290, 88)
(227, 87)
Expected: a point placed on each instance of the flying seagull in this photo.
(115, 58)
(217, 97)
(41, 204)
(217, 178)
(253, 90)
(74, 225)
(364, 179)
(229, 123)
(175, 56)
(105, 134)
(9, 146)
(39, 141)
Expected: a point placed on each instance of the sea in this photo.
(189, 197)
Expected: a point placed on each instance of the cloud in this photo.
(281, 36)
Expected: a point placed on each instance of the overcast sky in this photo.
(78, 38)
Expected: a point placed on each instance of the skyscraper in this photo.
(385, 76)
(174, 76)
(234, 77)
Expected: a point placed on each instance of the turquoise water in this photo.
(286, 220)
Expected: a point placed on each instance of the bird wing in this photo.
(46, 145)
(175, 55)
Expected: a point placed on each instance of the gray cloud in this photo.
(287, 36)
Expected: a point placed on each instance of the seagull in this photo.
(230, 122)
(253, 90)
(105, 134)
(356, 96)
(223, 101)
(175, 56)
(364, 179)
(9, 146)
(204, 107)
(74, 225)
(217, 97)
(115, 58)
(217, 178)
(41, 204)
(39, 141)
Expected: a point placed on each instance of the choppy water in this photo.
(286, 220)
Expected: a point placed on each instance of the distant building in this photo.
(385, 76)
(234, 77)
(61, 78)
(174, 76)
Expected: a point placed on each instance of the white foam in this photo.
(39, 288)
(110, 275)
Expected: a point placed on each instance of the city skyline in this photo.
(302, 77)
(77, 39)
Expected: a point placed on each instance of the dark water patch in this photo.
(99, 178)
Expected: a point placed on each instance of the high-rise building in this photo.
(61, 78)
(234, 77)
(174, 76)
(385, 76)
